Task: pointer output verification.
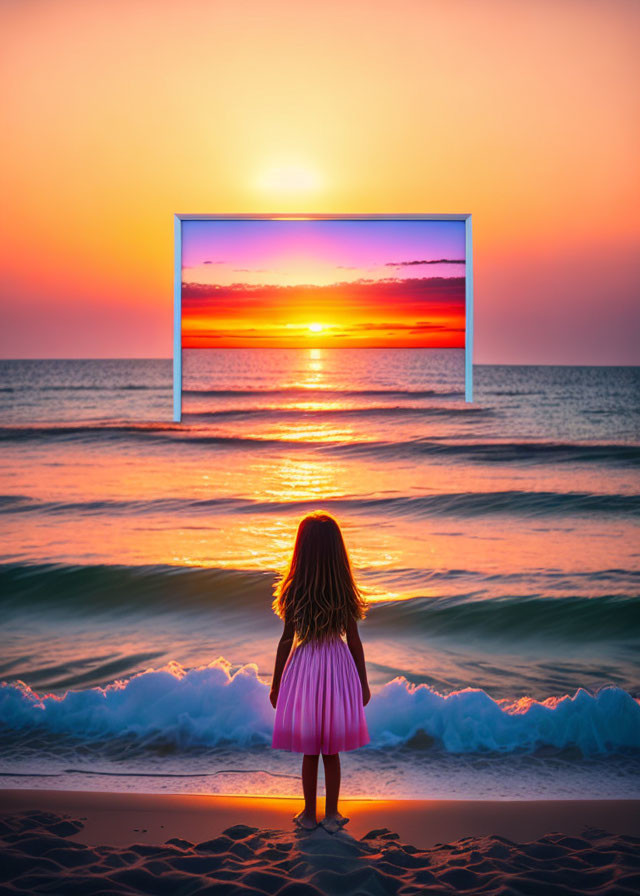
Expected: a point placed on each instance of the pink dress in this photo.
(319, 707)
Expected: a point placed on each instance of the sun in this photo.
(316, 328)
(292, 178)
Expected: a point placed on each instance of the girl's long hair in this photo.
(317, 591)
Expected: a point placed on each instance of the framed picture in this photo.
(329, 283)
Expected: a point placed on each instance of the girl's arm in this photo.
(284, 648)
(357, 652)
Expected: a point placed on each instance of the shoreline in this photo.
(118, 819)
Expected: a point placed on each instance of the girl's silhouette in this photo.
(320, 687)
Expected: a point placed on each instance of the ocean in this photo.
(497, 542)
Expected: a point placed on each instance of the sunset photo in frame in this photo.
(323, 281)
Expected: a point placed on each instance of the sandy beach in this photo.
(77, 842)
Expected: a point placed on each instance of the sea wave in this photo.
(92, 590)
(483, 452)
(513, 502)
(498, 452)
(218, 706)
(574, 619)
(86, 431)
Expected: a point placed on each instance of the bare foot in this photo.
(333, 823)
(305, 821)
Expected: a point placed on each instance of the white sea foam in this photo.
(219, 705)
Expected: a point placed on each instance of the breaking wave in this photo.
(216, 706)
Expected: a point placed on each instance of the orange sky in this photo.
(116, 115)
(346, 315)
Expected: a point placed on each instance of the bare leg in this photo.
(307, 818)
(332, 782)
(333, 820)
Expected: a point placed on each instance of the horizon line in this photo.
(333, 348)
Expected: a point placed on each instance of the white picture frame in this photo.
(177, 280)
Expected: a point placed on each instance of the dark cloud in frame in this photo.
(402, 264)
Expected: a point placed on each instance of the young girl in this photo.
(320, 688)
